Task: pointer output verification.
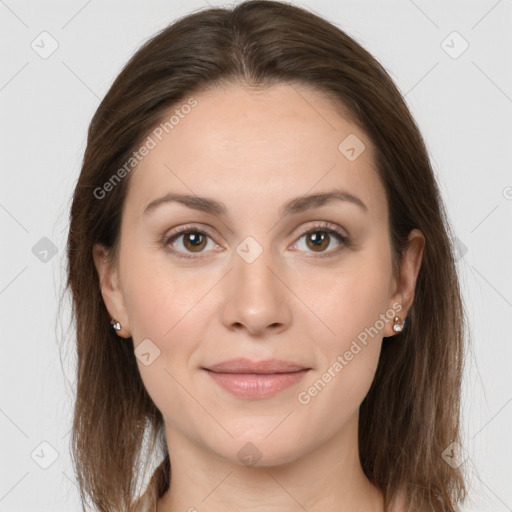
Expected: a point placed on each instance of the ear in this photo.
(405, 283)
(110, 290)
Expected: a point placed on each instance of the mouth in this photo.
(255, 380)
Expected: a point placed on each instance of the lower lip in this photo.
(253, 385)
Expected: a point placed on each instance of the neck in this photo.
(330, 478)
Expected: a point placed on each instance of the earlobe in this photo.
(398, 324)
(110, 290)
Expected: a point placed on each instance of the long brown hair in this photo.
(412, 411)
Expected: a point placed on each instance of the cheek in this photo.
(351, 299)
(160, 300)
(348, 356)
(168, 309)
(354, 313)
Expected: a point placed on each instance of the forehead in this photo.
(242, 144)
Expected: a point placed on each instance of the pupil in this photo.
(317, 240)
(194, 238)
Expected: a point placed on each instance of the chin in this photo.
(252, 449)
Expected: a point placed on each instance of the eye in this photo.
(190, 240)
(320, 238)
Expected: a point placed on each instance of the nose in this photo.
(256, 298)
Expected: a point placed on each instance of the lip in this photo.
(267, 366)
(256, 379)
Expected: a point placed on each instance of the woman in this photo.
(263, 284)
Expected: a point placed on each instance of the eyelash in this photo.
(324, 227)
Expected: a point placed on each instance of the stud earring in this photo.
(115, 324)
(398, 325)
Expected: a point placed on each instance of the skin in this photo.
(255, 150)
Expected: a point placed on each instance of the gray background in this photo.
(463, 105)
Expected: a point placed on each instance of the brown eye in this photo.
(187, 243)
(194, 241)
(318, 240)
(322, 240)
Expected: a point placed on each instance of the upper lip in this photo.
(267, 366)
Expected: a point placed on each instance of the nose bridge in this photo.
(255, 297)
(255, 267)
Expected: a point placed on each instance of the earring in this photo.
(115, 324)
(398, 325)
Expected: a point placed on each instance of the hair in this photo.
(412, 410)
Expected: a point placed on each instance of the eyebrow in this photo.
(293, 207)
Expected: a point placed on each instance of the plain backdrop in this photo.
(452, 61)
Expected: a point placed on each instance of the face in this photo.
(262, 273)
